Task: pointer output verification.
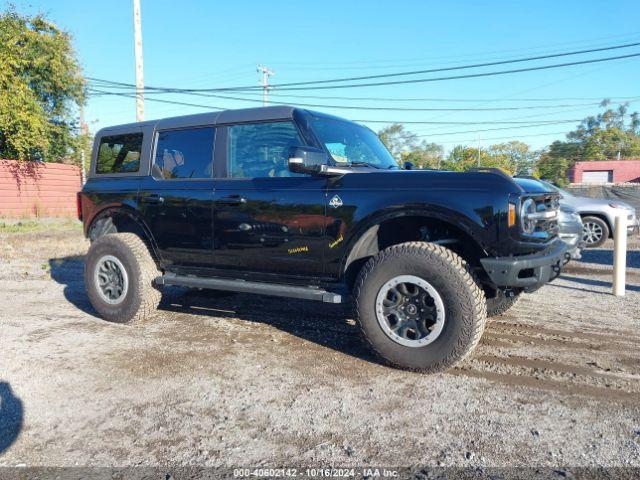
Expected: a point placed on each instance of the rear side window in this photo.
(119, 153)
(186, 153)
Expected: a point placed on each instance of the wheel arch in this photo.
(121, 219)
(390, 228)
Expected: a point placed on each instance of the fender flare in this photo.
(364, 240)
(109, 211)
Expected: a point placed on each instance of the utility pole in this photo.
(266, 73)
(478, 152)
(137, 29)
(84, 130)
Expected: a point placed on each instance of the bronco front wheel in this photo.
(419, 306)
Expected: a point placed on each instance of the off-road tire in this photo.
(605, 231)
(464, 305)
(142, 297)
(501, 303)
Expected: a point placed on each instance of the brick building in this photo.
(610, 171)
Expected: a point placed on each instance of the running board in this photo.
(243, 286)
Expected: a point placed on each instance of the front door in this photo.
(177, 198)
(267, 220)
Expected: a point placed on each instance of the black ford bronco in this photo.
(291, 203)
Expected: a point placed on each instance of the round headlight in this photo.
(528, 206)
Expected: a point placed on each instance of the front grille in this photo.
(547, 226)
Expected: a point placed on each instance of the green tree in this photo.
(462, 158)
(425, 155)
(40, 81)
(398, 140)
(516, 157)
(614, 133)
(556, 160)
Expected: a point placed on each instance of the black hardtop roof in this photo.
(209, 118)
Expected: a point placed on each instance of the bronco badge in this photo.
(335, 202)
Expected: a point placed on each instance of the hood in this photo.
(531, 185)
(431, 179)
(582, 203)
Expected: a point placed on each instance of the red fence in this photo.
(34, 189)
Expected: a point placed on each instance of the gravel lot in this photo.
(236, 380)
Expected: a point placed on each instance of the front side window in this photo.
(352, 144)
(119, 154)
(184, 153)
(258, 150)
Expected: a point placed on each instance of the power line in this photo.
(405, 109)
(504, 138)
(459, 77)
(291, 87)
(389, 99)
(130, 95)
(461, 67)
(452, 100)
(549, 122)
(584, 43)
(531, 125)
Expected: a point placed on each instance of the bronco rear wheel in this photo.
(119, 274)
(419, 306)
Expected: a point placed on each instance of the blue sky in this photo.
(207, 44)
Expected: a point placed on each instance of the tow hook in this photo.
(557, 269)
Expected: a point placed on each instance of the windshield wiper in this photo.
(363, 164)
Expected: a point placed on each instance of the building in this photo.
(610, 171)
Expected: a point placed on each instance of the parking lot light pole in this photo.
(620, 255)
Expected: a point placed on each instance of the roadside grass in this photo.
(39, 225)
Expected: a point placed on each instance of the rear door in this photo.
(267, 220)
(177, 198)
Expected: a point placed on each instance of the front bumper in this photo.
(633, 224)
(571, 233)
(529, 272)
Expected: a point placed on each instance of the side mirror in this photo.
(409, 166)
(307, 159)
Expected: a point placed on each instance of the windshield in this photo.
(352, 144)
(564, 193)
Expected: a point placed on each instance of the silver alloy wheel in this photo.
(591, 232)
(410, 311)
(111, 279)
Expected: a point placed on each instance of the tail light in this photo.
(79, 205)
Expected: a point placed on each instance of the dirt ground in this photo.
(237, 380)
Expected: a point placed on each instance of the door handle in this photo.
(153, 200)
(231, 200)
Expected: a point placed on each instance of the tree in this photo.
(463, 158)
(40, 81)
(609, 135)
(514, 156)
(398, 140)
(425, 155)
